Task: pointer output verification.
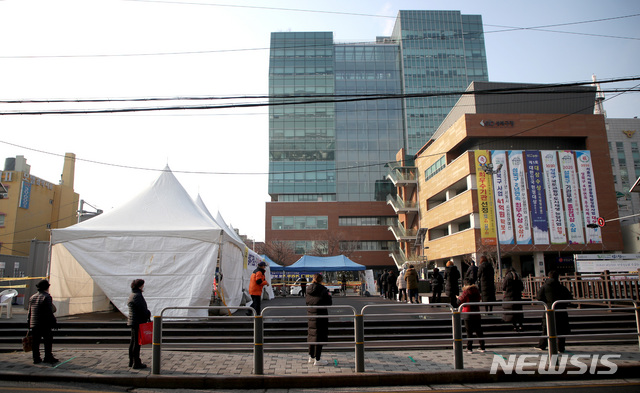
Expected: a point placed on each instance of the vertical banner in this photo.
(557, 230)
(537, 198)
(519, 194)
(485, 200)
(588, 193)
(25, 194)
(569, 182)
(503, 199)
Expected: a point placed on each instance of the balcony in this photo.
(400, 206)
(402, 175)
(400, 258)
(402, 234)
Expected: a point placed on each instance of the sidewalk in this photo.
(181, 369)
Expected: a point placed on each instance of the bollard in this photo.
(359, 326)
(637, 320)
(258, 347)
(156, 348)
(457, 340)
(552, 333)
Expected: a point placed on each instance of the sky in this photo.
(141, 49)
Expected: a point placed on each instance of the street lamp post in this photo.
(488, 169)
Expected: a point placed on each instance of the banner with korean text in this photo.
(485, 200)
(537, 197)
(503, 196)
(557, 230)
(571, 192)
(519, 197)
(588, 194)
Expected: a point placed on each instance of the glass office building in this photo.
(326, 143)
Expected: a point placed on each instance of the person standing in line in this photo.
(472, 273)
(343, 285)
(41, 323)
(318, 328)
(512, 287)
(472, 322)
(138, 313)
(303, 285)
(385, 275)
(379, 284)
(391, 285)
(437, 282)
(550, 292)
(486, 277)
(402, 286)
(411, 277)
(257, 281)
(452, 286)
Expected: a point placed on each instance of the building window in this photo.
(299, 222)
(365, 221)
(435, 168)
(2, 219)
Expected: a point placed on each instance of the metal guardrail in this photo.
(359, 323)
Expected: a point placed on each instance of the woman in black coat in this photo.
(486, 282)
(138, 313)
(451, 280)
(317, 295)
(512, 287)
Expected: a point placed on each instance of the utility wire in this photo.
(319, 99)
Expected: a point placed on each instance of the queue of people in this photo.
(477, 288)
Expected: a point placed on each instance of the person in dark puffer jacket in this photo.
(317, 295)
(138, 313)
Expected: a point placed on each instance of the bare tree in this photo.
(335, 244)
(281, 252)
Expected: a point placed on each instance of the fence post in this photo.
(258, 347)
(359, 327)
(637, 320)
(552, 335)
(156, 348)
(457, 340)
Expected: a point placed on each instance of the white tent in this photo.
(237, 262)
(160, 236)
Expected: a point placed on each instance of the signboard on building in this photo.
(614, 263)
(485, 200)
(542, 197)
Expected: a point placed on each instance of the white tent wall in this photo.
(160, 236)
(178, 272)
(232, 269)
(74, 290)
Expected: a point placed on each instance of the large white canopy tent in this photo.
(160, 236)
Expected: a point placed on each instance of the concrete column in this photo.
(538, 261)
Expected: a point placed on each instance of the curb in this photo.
(319, 381)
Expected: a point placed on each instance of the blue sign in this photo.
(25, 195)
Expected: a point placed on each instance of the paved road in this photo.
(287, 369)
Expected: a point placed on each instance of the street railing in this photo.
(369, 311)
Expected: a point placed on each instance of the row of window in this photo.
(366, 221)
(302, 247)
(299, 222)
(435, 168)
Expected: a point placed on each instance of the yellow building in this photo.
(31, 206)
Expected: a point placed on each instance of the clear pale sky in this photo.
(141, 49)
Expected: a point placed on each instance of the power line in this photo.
(455, 36)
(319, 99)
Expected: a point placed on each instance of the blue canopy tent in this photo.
(339, 263)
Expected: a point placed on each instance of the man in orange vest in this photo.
(256, 283)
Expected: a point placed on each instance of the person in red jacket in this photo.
(256, 283)
(472, 322)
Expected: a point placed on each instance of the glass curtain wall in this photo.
(301, 135)
(369, 133)
(442, 52)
